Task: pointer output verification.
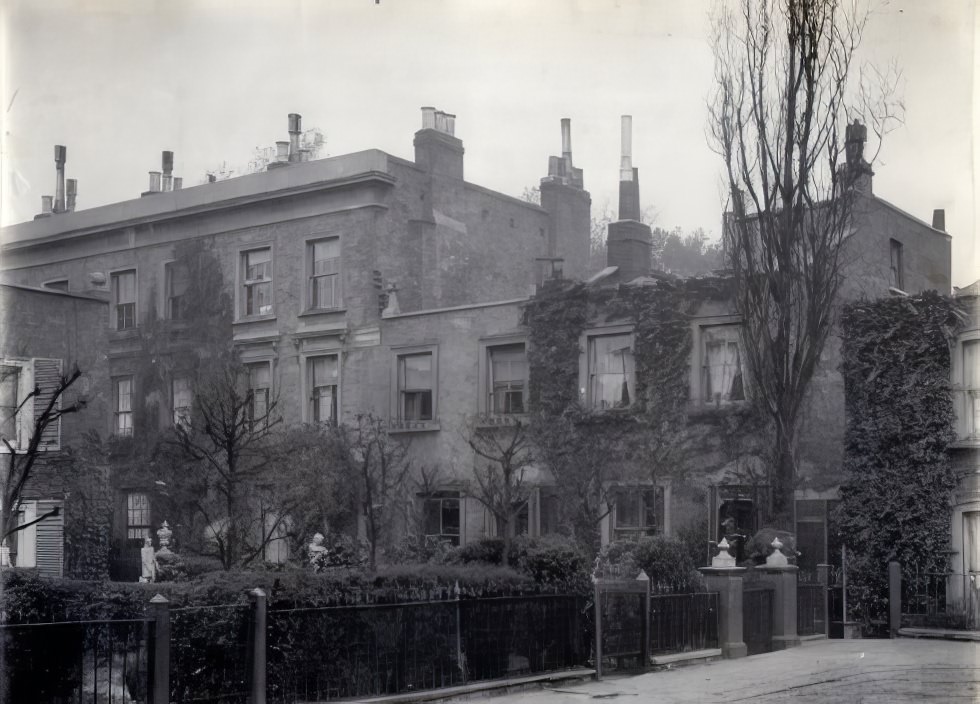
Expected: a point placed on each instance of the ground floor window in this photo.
(137, 516)
(441, 516)
(639, 511)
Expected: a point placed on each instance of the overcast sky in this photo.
(117, 81)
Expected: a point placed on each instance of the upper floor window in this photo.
(611, 371)
(971, 384)
(322, 375)
(123, 405)
(721, 365)
(441, 515)
(176, 276)
(124, 299)
(260, 384)
(324, 276)
(508, 378)
(415, 386)
(9, 400)
(896, 273)
(257, 277)
(183, 399)
(639, 511)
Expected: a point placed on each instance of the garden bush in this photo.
(666, 561)
(759, 546)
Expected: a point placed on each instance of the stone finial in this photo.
(777, 558)
(164, 535)
(643, 576)
(724, 557)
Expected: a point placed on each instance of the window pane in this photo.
(125, 286)
(722, 378)
(9, 381)
(323, 370)
(971, 541)
(124, 395)
(450, 516)
(971, 364)
(610, 371)
(326, 249)
(627, 514)
(259, 375)
(258, 299)
(177, 279)
(416, 371)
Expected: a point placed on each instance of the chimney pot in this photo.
(450, 124)
(71, 191)
(282, 151)
(939, 219)
(60, 156)
(154, 182)
(428, 118)
(626, 158)
(294, 132)
(167, 161)
(566, 139)
(46, 204)
(178, 183)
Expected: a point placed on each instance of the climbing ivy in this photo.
(898, 478)
(589, 450)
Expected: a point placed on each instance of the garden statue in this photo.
(148, 562)
(316, 551)
(164, 535)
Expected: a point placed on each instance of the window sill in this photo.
(714, 410)
(126, 334)
(494, 420)
(413, 426)
(255, 319)
(313, 312)
(966, 443)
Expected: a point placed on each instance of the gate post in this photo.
(160, 668)
(645, 646)
(823, 576)
(894, 598)
(726, 579)
(257, 655)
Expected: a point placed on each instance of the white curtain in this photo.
(971, 541)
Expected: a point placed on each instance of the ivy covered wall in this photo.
(895, 499)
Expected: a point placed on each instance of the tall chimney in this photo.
(295, 122)
(939, 219)
(71, 191)
(629, 180)
(60, 154)
(566, 141)
(168, 170)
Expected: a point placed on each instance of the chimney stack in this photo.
(628, 240)
(295, 129)
(167, 163)
(939, 219)
(437, 149)
(71, 191)
(60, 155)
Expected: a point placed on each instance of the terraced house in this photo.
(372, 283)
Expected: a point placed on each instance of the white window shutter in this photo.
(47, 376)
(50, 539)
(27, 537)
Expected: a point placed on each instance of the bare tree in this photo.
(19, 467)
(378, 462)
(785, 80)
(503, 453)
(229, 436)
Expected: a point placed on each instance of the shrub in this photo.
(759, 546)
(489, 551)
(556, 561)
(170, 567)
(422, 549)
(665, 560)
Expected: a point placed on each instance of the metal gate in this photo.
(622, 622)
(757, 603)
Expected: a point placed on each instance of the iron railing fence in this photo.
(940, 599)
(811, 609)
(209, 654)
(683, 622)
(337, 652)
(69, 662)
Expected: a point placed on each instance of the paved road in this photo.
(828, 672)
